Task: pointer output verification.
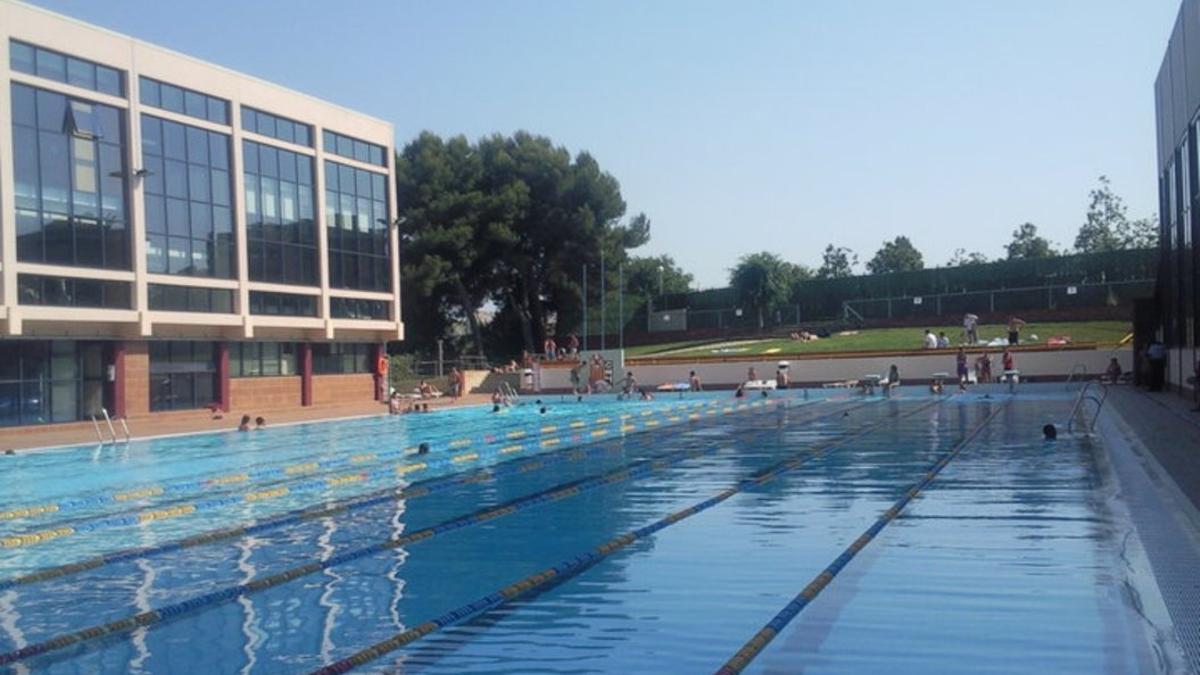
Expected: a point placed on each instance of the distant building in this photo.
(1177, 109)
(174, 234)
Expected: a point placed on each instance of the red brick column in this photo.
(379, 352)
(223, 398)
(306, 374)
(116, 387)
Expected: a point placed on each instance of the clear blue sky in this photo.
(744, 126)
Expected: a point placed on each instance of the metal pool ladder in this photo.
(1085, 396)
(1079, 370)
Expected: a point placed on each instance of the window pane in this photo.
(21, 57)
(149, 92)
(81, 73)
(217, 111)
(108, 81)
(51, 65)
(174, 140)
(172, 98)
(195, 105)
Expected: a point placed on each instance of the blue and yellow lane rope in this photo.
(229, 593)
(578, 564)
(25, 539)
(413, 491)
(186, 487)
(754, 646)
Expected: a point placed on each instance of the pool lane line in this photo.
(416, 490)
(573, 566)
(178, 508)
(229, 593)
(754, 646)
(252, 475)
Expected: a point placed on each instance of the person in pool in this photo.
(740, 392)
(245, 424)
(259, 423)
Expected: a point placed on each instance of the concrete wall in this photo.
(342, 388)
(1052, 364)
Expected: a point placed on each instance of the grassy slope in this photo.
(884, 339)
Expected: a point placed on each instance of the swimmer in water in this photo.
(423, 449)
(1050, 432)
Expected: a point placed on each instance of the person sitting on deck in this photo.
(426, 390)
(943, 341)
(394, 403)
(245, 424)
(892, 381)
(1113, 372)
(931, 341)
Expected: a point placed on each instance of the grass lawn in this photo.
(888, 339)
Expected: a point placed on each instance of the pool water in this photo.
(301, 547)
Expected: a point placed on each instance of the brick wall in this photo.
(264, 393)
(343, 388)
(137, 378)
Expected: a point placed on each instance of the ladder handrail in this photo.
(1077, 369)
(125, 426)
(1083, 396)
(112, 430)
(99, 436)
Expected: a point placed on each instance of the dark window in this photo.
(182, 375)
(355, 308)
(189, 222)
(262, 359)
(282, 304)
(356, 219)
(35, 289)
(52, 65)
(169, 298)
(277, 127)
(280, 227)
(352, 148)
(183, 101)
(342, 358)
(50, 381)
(70, 180)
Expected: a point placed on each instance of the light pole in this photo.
(660, 281)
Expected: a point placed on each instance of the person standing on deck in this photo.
(960, 363)
(1014, 330)
(781, 379)
(971, 328)
(751, 375)
(694, 382)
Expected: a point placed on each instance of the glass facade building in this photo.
(164, 207)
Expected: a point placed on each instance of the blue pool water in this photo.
(295, 548)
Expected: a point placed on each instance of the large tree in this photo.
(1106, 222)
(837, 262)
(764, 281)
(510, 219)
(1141, 233)
(961, 258)
(658, 275)
(898, 255)
(1026, 243)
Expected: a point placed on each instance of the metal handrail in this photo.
(125, 426)
(1084, 396)
(111, 429)
(1077, 369)
(99, 436)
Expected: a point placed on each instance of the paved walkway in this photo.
(1167, 426)
(160, 424)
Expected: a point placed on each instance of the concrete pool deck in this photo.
(1169, 429)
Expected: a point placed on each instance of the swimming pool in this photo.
(600, 536)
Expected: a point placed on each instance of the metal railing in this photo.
(1077, 369)
(1084, 396)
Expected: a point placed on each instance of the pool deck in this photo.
(1168, 427)
(199, 421)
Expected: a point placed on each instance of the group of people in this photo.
(552, 351)
(259, 423)
(970, 333)
(982, 365)
(401, 405)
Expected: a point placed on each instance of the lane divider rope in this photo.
(413, 491)
(230, 593)
(574, 566)
(754, 646)
(440, 460)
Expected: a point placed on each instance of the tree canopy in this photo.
(961, 258)
(764, 282)
(510, 219)
(898, 255)
(837, 262)
(643, 275)
(1026, 243)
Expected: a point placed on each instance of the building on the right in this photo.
(1177, 111)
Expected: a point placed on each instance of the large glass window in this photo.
(189, 220)
(166, 297)
(49, 381)
(281, 230)
(52, 65)
(35, 289)
(356, 219)
(352, 148)
(183, 375)
(342, 358)
(70, 180)
(262, 359)
(355, 308)
(158, 94)
(277, 127)
(282, 304)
